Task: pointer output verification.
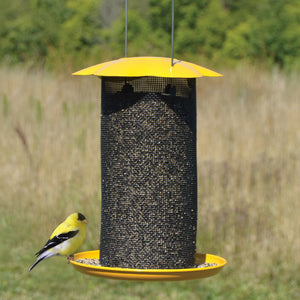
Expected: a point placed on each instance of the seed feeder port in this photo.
(148, 172)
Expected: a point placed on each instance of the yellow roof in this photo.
(147, 66)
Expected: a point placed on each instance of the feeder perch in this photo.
(149, 171)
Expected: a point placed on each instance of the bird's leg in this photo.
(71, 257)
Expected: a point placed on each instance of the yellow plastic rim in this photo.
(147, 66)
(150, 274)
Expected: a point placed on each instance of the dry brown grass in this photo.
(249, 168)
(49, 144)
(248, 162)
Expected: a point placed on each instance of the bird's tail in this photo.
(43, 256)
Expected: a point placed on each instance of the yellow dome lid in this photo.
(147, 66)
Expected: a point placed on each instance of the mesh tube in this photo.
(149, 175)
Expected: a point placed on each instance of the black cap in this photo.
(81, 217)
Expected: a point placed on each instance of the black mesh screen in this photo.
(149, 177)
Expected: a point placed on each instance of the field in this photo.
(249, 185)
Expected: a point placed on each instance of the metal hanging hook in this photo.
(173, 13)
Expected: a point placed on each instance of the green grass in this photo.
(248, 169)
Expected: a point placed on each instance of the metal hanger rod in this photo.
(126, 25)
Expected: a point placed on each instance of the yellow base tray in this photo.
(150, 274)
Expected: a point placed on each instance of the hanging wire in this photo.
(172, 54)
(126, 25)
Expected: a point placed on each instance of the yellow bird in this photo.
(65, 239)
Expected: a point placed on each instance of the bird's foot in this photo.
(71, 257)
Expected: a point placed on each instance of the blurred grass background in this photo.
(248, 173)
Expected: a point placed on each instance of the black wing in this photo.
(56, 240)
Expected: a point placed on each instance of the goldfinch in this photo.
(65, 239)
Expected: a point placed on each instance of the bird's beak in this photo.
(84, 221)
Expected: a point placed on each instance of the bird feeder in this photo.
(148, 171)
